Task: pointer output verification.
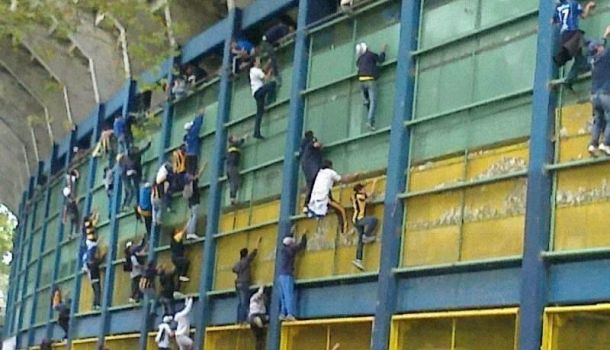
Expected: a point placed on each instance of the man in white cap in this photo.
(288, 252)
(164, 333)
(368, 73)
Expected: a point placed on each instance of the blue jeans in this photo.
(365, 227)
(601, 116)
(243, 302)
(369, 94)
(191, 226)
(131, 190)
(288, 295)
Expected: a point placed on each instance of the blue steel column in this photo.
(16, 256)
(60, 238)
(39, 250)
(97, 129)
(397, 165)
(166, 133)
(290, 171)
(28, 256)
(203, 308)
(108, 283)
(539, 185)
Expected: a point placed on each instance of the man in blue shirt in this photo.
(120, 132)
(567, 15)
(600, 94)
(241, 50)
(193, 143)
(288, 251)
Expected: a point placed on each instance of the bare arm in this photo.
(349, 178)
(372, 193)
(588, 9)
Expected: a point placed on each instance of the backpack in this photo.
(127, 265)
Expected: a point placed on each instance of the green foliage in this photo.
(148, 44)
(8, 223)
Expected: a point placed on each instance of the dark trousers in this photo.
(261, 96)
(259, 332)
(168, 305)
(191, 164)
(365, 227)
(234, 180)
(182, 265)
(243, 302)
(148, 224)
(310, 171)
(97, 291)
(135, 288)
(63, 323)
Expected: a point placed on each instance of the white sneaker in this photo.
(282, 318)
(132, 301)
(192, 236)
(358, 264)
(592, 150)
(290, 318)
(604, 148)
(184, 279)
(368, 239)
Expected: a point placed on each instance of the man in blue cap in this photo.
(600, 94)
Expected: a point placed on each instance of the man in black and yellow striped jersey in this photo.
(364, 225)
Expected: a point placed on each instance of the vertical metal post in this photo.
(16, 257)
(166, 133)
(26, 263)
(214, 203)
(76, 290)
(539, 188)
(60, 238)
(108, 284)
(290, 171)
(397, 165)
(39, 250)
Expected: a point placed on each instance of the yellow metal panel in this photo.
(122, 342)
(574, 118)
(84, 344)
(582, 198)
(432, 229)
(494, 220)
(318, 260)
(574, 131)
(263, 265)
(265, 212)
(497, 161)
(352, 333)
(351, 336)
(434, 174)
(585, 329)
(86, 294)
(122, 287)
(574, 148)
(227, 254)
(226, 222)
(229, 339)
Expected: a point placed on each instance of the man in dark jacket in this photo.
(243, 280)
(600, 95)
(311, 162)
(288, 252)
(368, 73)
(232, 159)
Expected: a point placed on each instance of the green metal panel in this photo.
(187, 109)
(42, 305)
(26, 309)
(52, 234)
(36, 239)
(332, 54)
(55, 199)
(472, 129)
(285, 56)
(69, 252)
(268, 182)
(100, 203)
(81, 186)
(457, 17)
(243, 103)
(500, 10)
(129, 229)
(47, 269)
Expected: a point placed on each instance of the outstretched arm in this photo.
(588, 9)
(187, 308)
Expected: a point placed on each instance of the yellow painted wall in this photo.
(452, 331)
(84, 344)
(122, 342)
(575, 132)
(458, 225)
(352, 334)
(229, 338)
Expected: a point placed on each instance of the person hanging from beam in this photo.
(321, 194)
(270, 41)
(600, 95)
(243, 280)
(147, 287)
(70, 212)
(364, 225)
(192, 142)
(232, 159)
(567, 15)
(242, 51)
(368, 72)
(144, 208)
(311, 162)
(119, 127)
(71, 178)
(63, 309)
(178, 255)
(93, 270)
(178, 178)
(258, 317)
(161, 194)
(183, 329)
(168, 283)
(288, 251)
(192, 194)
(91, 257)
(135, 263)
(108, 182)
(128, 173)
(164, 333)
(135, 154)
(106, 145)
(262, 84)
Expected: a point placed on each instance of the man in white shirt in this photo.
(321, 196)
(184, 326)
(261, 85)
(164, 333)
(258, 317)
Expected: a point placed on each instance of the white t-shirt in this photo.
(163, 334)
(162, 175)
(257, 79)
(325, 180)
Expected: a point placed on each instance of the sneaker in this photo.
(96, 307)
(184, 279)
(371, 127)
(258, 136)
(305, 210)
(191, 236)
(592, 150)
(368, 239)
(605, 149)
(358, 264)
(132, 301)
(282, 318)
(290, 318)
